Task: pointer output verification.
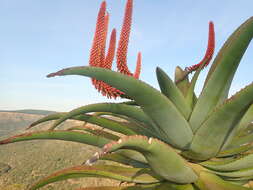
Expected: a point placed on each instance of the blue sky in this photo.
(42, 36)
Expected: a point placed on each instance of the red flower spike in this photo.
(97, 54)
(103, 33)
(104, 36)
(124, 39)
(107, 63)
(138, 66)
(209, 52)
(111, 51)
(97, 40)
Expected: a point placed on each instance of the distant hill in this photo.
(32, 160)
(30, 111)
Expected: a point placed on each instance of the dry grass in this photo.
(33, 160)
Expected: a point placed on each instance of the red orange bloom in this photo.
(209, 52)
(97, 54)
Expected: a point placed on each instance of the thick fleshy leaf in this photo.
(132, 103)
(134, 155)
(157, 106)
(246, 120)
(137, 187)
(240, 141)
(47, 118)
(120, 158)
(73, 136)
(243, 162)
(162, 186)
(169, 89)
(240, 127)
(226, 63)
(235, 151)
(113, 188)
(133, 124)
(94, 131)
(248, 172)
(248, 130)
(213, 182)
(163, 159)
(103, 122)
(130, 111)
(210, 137)
(190, 97)
(133, 175)
(170, 186)
(182, 80)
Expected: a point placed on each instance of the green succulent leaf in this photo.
(210, 137)
(246, 120)
(170, 186)
(239, 128)
(137, 126)
(72, 136)
(133, 175)
(248, 172)
(226, 64)
(242, 141)
(132, 103)
(243, 162)
(235, 150)
(120, 158)
(163, 186)
(170, 165)
(190, 96)
(103, 122)
(130, 111)
(163, 112)
(182, 80)
(170, 90)
(134, 155)
(47, 118)
(94, 131)
(213, 182)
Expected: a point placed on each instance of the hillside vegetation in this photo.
(32, 160)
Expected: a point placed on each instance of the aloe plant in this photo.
(167, 139)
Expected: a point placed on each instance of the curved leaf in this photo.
(162, 158)
(130, 111)
(240, 127)
(47, 118)
(163, 186)
(213, 182)
(239, 141)
(235, 151)
(133, 175)
(226, 64)
(169, 89)
(59, 135)
(134, 155)
(94, 131)
(162, 111)
(210, 137)
(230, 165)
(248, 172)
(190, 96)
(103, 122)
(138, 127)
(182, 80)
(120, 158)
(246, 120)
